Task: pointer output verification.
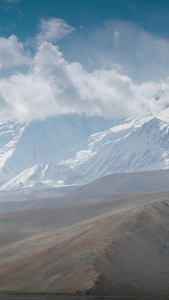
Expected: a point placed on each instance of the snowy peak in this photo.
(10, 134)
(41, 176)
(76, 149)
(144, 147)
(115, 133)
(25, 149)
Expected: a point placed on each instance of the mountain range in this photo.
(74, 149)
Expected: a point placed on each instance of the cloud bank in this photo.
(54, 86)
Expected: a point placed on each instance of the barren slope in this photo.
(127, 252)
(52, 218)
(116, 184)
(101, 189)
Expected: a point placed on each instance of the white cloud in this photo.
(53, 30)
(12, 53)
(55, 86)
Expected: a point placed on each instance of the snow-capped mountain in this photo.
(28, 150)
(76, 149)
(145, 148)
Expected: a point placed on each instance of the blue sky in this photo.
(21, 17)
(96, 57)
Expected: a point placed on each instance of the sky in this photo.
(106, 58)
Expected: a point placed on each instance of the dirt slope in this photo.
(117, 184)
(128, 252)
(52, 218)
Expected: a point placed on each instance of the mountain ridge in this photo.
(78, 154)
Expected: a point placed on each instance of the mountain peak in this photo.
(76, 149)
